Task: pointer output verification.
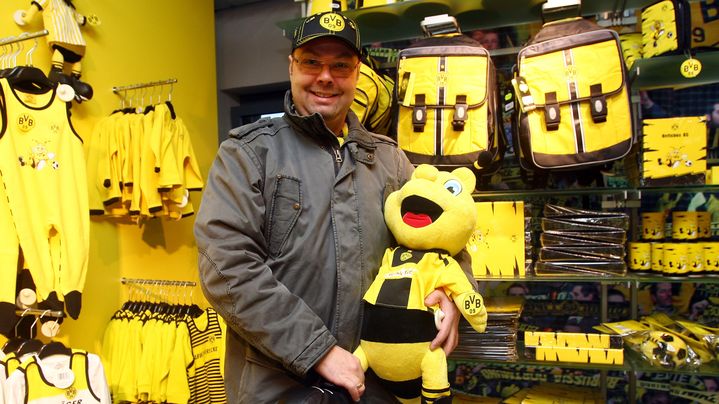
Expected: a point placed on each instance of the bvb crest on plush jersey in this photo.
(432, 216)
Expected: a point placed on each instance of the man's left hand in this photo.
(448, 335)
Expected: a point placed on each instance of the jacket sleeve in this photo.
(233, 274)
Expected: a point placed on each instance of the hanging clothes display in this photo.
(141, 165)
(163, 352)
(43, 216)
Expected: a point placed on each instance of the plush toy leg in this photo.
(64, 82)
(359, 353)
(435, 384)
(83, 90)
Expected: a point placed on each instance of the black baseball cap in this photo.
(328, 24)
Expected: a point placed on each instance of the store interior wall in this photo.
(138, 41)
(251, 53)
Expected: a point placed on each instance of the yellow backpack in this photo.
(574, 110)
(448, 104)
(373, 98)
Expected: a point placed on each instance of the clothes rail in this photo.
(23, 37)
(161, 282)
(143, 85)
(40, 312)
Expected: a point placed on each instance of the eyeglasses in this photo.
(337, 69)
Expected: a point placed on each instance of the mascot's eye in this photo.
(453, 186)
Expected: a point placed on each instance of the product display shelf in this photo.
(633, 362)
(665, 71)
(618, 193)
(633, 277)
(522, 360)
(401, 20)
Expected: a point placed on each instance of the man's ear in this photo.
(289, 67)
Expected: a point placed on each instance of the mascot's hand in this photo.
(472, 307)
(448, 335)
(20, 17)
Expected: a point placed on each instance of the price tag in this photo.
(64, 378)
(690, 68)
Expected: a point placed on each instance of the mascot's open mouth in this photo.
(420, 212)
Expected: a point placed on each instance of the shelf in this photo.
(664, 71)
(624, 193)
(632, 362)
(629, 277)
(401, 21)
(560, 278)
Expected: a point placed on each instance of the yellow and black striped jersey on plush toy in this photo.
(407, 277)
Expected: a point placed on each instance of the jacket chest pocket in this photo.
(285, 208)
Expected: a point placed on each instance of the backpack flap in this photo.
(573, 100)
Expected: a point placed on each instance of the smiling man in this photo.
(291, 231)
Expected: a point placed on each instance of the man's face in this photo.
(328, 91)
(664, 294)
(490, 40)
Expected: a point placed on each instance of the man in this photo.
(291, 232)
(662, 295)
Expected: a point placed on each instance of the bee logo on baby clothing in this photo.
(25, 122)
(70, 393)
(332, 22)
(39, 158)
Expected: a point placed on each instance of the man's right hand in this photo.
(343, 369)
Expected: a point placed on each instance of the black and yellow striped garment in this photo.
(208, 350)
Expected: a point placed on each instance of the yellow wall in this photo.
(138, 41)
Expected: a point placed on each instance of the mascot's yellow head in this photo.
(433, 210)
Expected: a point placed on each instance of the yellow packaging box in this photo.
(674, 151)
(497, 244)
(574, 347)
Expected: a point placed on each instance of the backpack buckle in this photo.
(460, 113)
(551, 111)
(419, 113)
(598, 103)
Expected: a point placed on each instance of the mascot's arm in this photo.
(23, 17)
(467, 299)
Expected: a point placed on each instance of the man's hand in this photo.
(448, 335)
(343, 369)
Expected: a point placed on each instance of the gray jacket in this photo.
(290, 234)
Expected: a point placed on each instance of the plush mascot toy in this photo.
(432, 217)
(63, 24)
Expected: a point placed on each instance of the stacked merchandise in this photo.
(556, 393)
(499, 340)
(141, 165)
(582, 242)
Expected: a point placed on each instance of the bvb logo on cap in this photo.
(332, 22)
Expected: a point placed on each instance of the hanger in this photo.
(14, 343)
(54, 348)
(29, 346)
(29, 78)
(9, 59)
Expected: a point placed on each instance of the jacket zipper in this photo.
(337, 155)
